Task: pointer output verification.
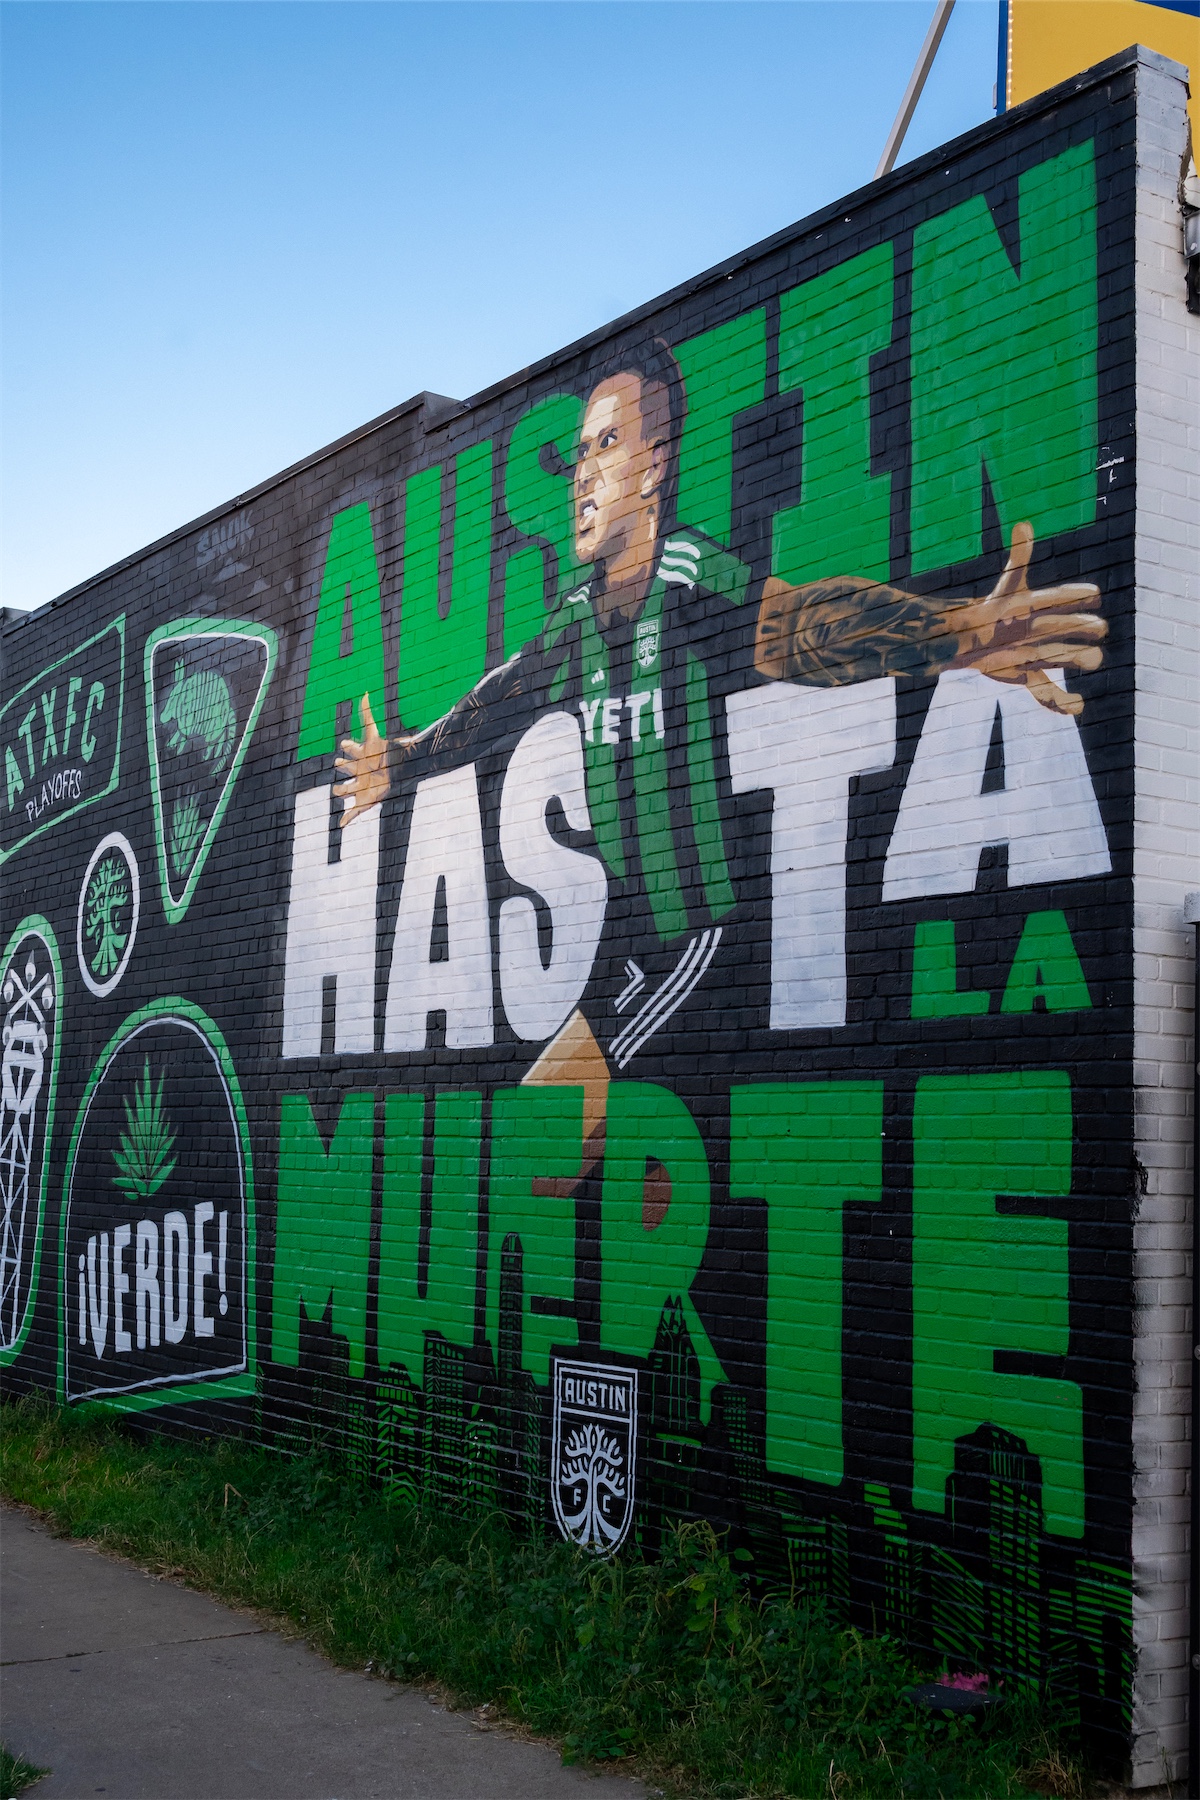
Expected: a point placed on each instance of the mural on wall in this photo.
(206, 681)
(631, 855)
(158, 1223)
(31, 996)
(664, 834)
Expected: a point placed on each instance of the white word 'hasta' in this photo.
(801, 746)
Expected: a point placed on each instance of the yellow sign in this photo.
(1050, 40)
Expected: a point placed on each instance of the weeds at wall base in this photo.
(673, 1669)
(16, 1774)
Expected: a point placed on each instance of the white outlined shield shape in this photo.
(206, 681)
(593, 1461)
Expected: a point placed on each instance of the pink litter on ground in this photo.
(969, 1684)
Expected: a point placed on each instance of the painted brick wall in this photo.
(724, 1051)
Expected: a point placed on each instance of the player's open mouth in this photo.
(587, 513)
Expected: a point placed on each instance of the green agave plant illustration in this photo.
(144, 1157)
(187, 828)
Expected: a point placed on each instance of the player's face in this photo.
(617, 471)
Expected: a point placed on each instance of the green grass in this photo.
(674, 1666)
(16, 1774)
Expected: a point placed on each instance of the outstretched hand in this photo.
(1018, 633)
(365, 768)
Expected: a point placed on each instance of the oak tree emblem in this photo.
(106, 914)
(106, 921)
(594, 1453)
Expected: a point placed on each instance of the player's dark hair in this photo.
(650, 359)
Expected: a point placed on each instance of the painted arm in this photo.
(368, 765)
(842, 630)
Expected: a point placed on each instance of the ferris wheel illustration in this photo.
(28, 994)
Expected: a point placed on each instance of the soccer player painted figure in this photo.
(627, 651)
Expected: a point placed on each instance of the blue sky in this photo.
(233, 231)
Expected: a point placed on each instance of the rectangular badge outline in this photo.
(117, 625)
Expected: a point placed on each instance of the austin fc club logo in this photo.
(647, 643)
(595, 1448)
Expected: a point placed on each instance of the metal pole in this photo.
(916, 82)
(1002, 58)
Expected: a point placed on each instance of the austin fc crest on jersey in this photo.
(594, 1454)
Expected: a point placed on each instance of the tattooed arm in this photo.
(841, 630)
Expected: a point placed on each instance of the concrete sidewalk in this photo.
(135, 1688)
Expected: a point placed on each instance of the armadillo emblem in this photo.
(206, 681)
(200, 711)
